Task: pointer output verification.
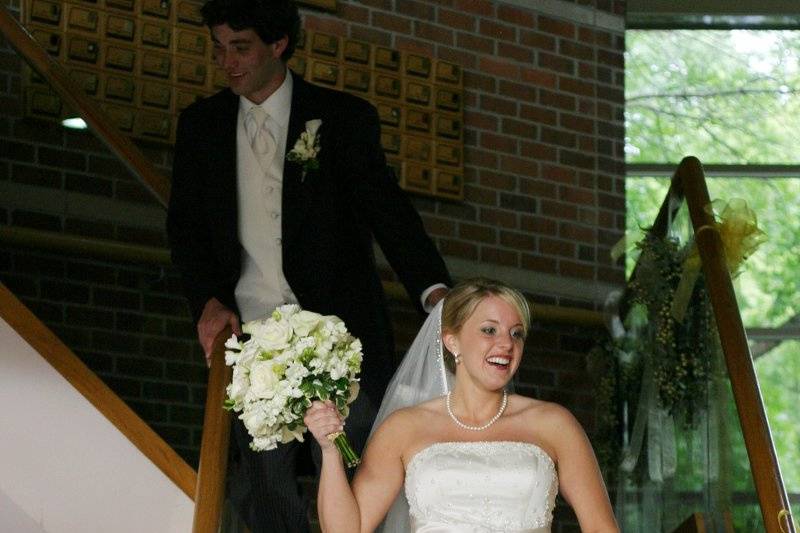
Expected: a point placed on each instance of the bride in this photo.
(476, 459)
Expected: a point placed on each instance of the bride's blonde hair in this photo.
(461, 301)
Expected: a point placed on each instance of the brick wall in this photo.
(544, 199)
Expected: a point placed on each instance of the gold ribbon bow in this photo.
(738, 230)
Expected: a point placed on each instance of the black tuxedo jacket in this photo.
(329, 218)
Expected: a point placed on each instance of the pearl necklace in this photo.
(461, 424)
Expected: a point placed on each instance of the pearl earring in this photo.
(457, 358)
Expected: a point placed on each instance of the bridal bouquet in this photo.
(292, 357)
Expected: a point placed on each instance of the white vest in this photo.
(262, 285)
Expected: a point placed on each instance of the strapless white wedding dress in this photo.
(481, 487)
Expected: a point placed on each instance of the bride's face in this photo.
(490, 342)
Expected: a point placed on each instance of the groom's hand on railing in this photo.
(215, 318)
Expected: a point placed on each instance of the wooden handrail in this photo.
(96, 392)
(213, 466)
(755, 426)
(74, 96)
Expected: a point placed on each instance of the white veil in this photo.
(421, 376)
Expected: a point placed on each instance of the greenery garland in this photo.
(678, 351)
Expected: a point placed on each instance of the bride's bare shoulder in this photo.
(411, 417)
(542, 410)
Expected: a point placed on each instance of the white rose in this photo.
(270, 334)
(262, 379)
(288, 435)
(285, 311)
(304, 322)
(255, 421)
(312, 126)
(238, 386)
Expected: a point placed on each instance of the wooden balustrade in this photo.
(755, 427)
(210, 493)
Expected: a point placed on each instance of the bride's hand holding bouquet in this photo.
(292, 358)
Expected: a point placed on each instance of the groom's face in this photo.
(254, 68)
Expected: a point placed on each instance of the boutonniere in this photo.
(306, 149)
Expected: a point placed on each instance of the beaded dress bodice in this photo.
(481, 487)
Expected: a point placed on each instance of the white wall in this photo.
(64, 468)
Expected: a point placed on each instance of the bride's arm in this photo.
(579, 478)
(376, 483)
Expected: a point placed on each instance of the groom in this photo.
(251, 228)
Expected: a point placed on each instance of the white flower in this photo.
(270, 334)
(304, 322)
(263, 379)
(307, 147)
(285, 311)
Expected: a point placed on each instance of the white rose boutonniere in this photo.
(306, 148)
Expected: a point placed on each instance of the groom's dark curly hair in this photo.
(270, 19)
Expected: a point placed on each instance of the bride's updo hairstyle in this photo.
(461, 301)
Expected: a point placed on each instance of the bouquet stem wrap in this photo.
(349, 455)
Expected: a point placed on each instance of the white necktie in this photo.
(261, 139)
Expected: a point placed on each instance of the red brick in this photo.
(478, 7)
(574, 86)
(538, 263)
(517, 53)
(557, 137)
(538, 151)
(370, 35)
(480, 158)
(386, 5)
(612, 59)
(575, 50)
(480, 195)
(577, 159)
(456, 20)
(499, 257)
(587, 106)
(326, 25)
(538, 114)
(477, 233)
(475, 43)
(391, 22)
(466, 59)
(539, 77)
(439, 34)
(559, 210)
(587, 216)
(575, 270)
(556, 247)
(439, 226)
(480, 121)
(501, 143)
(576, 232)
(538, 224)
(497, 31)
(353, 13)
(556, 63)
(519, 166)
(537, 187)
(587, 71)
(559, 174)
(586, 35)
(411, 44)
(518, 128)
(502, 106)
(498, 218)
(603, 39)
(416, 10)
(576, 123)
(556, 27)
(518, 241)
(588, 144)
(516, 16)
(461, 249)
(495, 180)
(575, 195)
(499, 67)
(610, 201)
(520, 91)
(536, 40)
